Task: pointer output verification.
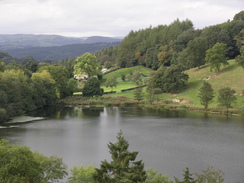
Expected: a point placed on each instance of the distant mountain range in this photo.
(58, 52)
(9, 41)
(100, 39)
(52, 46)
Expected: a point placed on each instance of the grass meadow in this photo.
(231, 76)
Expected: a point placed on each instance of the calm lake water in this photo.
(167, 141)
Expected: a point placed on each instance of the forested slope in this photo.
(177, 43)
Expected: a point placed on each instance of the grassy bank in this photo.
(230, 76)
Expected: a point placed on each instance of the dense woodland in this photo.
(176, 43)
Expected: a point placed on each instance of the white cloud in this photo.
(108, 17)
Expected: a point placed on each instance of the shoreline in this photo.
(128, 102)
(19, 120)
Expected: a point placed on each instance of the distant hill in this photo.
(58, 52)
(8, 41)
(100, 39)
(52, 46)
(15, 41)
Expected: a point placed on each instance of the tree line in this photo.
(177, 43)
(20, 165)
(29, 87)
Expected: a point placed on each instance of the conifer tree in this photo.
(187, 177)
(123, 167)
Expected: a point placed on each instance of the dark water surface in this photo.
(167, 141)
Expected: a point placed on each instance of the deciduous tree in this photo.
(239, 16)
(83, 175)
(111, 82)
(165, 55)
(210, 175)
(195, 51)
(154, 177)
(206, 94)
(226, 97)
(92, 88)
(2, 66)
(216, 56)
(52, 167)
(240, 58)
(138, 94)
(20, 165)
(61, 77)
(171, 79)
(87, 63)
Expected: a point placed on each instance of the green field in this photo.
(129, 70)
(123, 84)
(231, 76)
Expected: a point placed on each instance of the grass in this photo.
(231, 76)
(120, 86)
(125, 84)
(129, 70)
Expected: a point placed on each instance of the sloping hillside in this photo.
(230, 76)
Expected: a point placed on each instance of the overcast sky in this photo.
(81, 18)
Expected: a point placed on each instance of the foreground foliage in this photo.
(83, 175)
(123, 167)
(18, 164)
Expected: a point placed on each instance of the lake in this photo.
(168, 141)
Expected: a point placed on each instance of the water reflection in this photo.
(166, 140)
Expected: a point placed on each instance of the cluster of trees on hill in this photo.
(30, 86)
(19, 164)
(176, 43)
(107, 56)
